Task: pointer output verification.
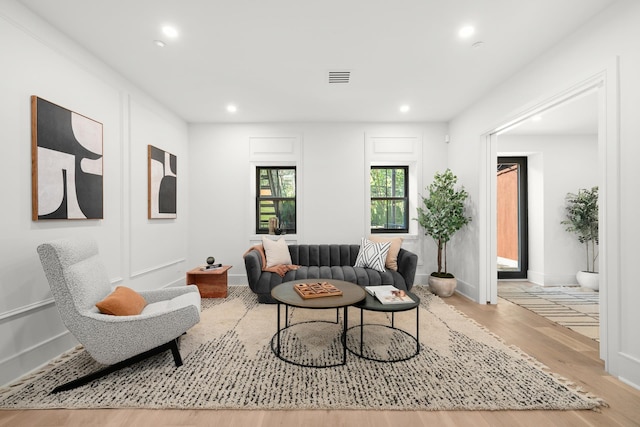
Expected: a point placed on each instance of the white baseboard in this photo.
(238, 279)
(543, 279)
(465, 289)
(628, 363)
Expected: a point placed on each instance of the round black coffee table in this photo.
(371, 303)
(285, 295)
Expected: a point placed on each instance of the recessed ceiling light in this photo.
(404, 108)
(170, 31)
(232, 108)
(159, 43)
(466, 31)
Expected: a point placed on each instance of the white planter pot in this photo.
(588, 280)
(442, 286)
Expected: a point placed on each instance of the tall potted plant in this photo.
(582, 219)
(441, 217)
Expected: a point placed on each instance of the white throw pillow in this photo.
(372, 255)
(276, 251)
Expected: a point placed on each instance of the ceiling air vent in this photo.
(339, 76)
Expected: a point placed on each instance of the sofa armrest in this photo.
(407, 265)
(253, 265)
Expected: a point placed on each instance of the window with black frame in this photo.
(389, 199)
(276, 199)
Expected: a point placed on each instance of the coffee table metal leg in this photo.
(278, 339)
(344, 336)
(361, 331)
(286, 316)
(417, 330)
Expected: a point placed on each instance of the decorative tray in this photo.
(316, 290)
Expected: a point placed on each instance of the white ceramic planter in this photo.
(441, 286)
(588, 280)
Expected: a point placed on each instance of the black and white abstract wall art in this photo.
(163, 175)
(66, 158)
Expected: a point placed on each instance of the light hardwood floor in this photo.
(562, 350)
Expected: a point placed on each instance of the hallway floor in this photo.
(571, 306)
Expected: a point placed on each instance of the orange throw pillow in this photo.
(392, 256)
(122, 301)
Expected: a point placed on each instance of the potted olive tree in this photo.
(582, 220)
(441, 217)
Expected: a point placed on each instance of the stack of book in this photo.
(210, 267)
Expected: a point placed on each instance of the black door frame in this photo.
(523, 222)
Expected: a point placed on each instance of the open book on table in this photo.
(388, 294)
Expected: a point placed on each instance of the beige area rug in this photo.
(229, 364)
(571, 306)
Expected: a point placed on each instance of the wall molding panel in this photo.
(156, 267)
(382, 145)
(274, 148)
(8, 315)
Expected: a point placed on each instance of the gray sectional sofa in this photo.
(328, 262)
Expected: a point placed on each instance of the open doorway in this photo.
(512, 222)
(562, 146)
(606, 84)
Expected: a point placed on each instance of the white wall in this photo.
(332, 184)
(591, 50)
(36, 60)
(557, 164)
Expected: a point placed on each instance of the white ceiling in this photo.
(271, 57)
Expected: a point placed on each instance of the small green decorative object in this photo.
(211, 260)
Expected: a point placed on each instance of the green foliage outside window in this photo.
(276, 197)
(389, 199)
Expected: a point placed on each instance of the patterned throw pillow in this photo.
(372, 255)
(394, 249)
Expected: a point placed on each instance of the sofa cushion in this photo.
(372, 255)
(324, 254)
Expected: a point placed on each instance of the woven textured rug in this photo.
(229, 364)
(570, 306)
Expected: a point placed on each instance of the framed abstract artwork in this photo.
(162, 183)
(66, 159)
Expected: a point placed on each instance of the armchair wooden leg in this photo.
(175, 349)
(171, 345)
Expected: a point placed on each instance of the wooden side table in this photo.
(210, 283)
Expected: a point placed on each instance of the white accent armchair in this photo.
(78, 280)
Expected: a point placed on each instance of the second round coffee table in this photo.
(371, 303)
(285, 295)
